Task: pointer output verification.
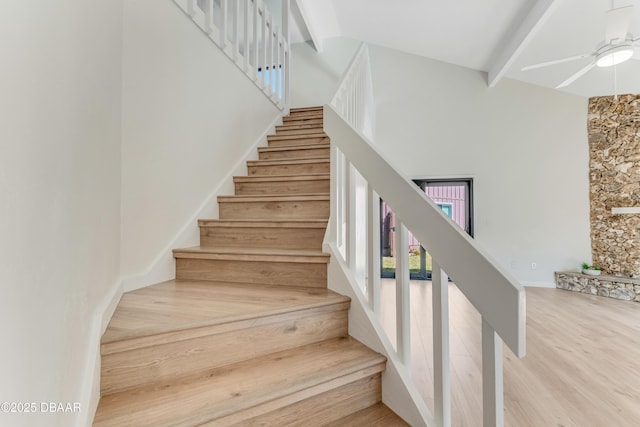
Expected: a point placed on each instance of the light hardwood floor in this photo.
(582, 367)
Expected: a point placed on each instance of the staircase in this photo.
(248, 333)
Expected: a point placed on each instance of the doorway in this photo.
(453, 196)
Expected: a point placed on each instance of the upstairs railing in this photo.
(247, 33)
(360, 178)
(353, 98)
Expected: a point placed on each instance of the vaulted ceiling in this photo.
(495, 36)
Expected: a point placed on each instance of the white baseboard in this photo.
(538, 284)
(163, 266)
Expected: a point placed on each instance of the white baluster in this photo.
(236, 29)
(286, 5)
(245, 37)
(191, 7)
(441, 359)
(340, 198)
(492, 384)
(403, 330)
(256, 26)
(270, 53)
(358, 99)
(208, 16)
(333, 202)
(278, 69)
(373, 250)
(272, 56)
(286, 83)
(350, 217)
(265, 32)
(223, 24)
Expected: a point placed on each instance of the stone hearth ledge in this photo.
(623, 288)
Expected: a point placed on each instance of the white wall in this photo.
(525, 147)
(189, 115)
(314, 76)
(60, 133)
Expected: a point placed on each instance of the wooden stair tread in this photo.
(311, 108)
(302, 120)
(257, 254)
(317, 116)
(304, 136)
(184, 304)
(273, 198)
(286, 178)
(378, 415)
(275, 223)
(293, 147)
(280, 162)
(274, 380)
(294, 126)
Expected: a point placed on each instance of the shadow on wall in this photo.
(314, 75)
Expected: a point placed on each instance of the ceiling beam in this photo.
(306, 17)
(521, 33)
(320, 18)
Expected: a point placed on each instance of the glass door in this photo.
(455, 199)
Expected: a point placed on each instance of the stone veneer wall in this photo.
(607, 286)
(614, 147)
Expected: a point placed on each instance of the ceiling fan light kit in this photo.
(614, 55)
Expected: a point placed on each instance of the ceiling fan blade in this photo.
(555, 61)
(618, 22)
(577, 75)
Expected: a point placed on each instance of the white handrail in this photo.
(498, 297)
(245, 31)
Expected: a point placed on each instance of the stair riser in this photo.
(276, 142)
(221, 346)
(298, 142)
(291, 169)
(315, 406)
(305, 114)
(295, 153)
(307, 274)
(312, 209)
(296, 110)
(325, 407)
(318, 125)
(267, 237)
(282, 187)
(300, 131)
(287, 121)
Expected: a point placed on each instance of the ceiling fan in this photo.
(617, 47)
